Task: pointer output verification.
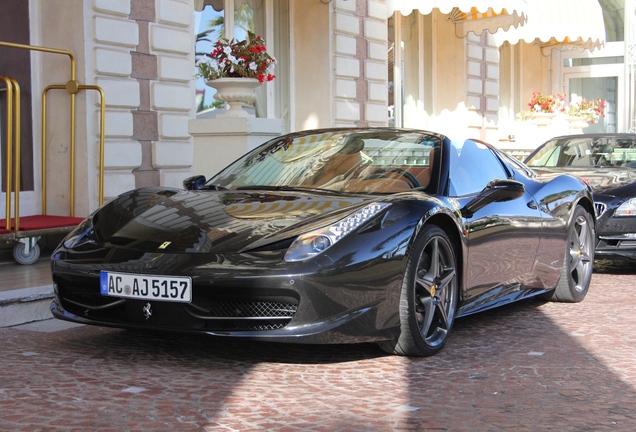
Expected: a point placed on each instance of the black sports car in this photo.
(332, 236)
(608, 163)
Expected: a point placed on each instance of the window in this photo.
(267, 18)
(472, 167)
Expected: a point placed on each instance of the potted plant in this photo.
(543, 108)
(582, 110)
(551, 104)
(235, 69)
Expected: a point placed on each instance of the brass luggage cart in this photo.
(25, 231)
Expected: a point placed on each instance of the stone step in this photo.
(25, 305)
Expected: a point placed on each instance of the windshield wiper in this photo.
(214, 187)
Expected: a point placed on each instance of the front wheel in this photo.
(576, 273)
(428, 299)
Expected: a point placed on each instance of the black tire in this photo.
(429, 295)
(21, 257)
(576, 273)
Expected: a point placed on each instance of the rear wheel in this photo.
(576, 273)
(428, 300)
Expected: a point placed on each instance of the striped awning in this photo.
(562, 24)
(468, 15)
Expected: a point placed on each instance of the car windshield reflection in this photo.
(370, 161)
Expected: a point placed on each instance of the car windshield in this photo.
(368, 161)
(587, 151)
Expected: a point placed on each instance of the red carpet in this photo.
(38, 222)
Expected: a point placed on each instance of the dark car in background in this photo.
(608, 163)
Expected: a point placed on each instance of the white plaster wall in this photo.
(110, 37)
(354, 106)
(113, 36)
(172, 40)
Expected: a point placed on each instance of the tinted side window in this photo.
(472, 167)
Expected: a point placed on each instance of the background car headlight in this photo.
(628, 208)
(315, 242)
(82, 234)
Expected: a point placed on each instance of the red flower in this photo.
(240, 60)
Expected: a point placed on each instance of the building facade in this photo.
(448, 66)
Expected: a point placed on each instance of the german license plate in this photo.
(146, 287)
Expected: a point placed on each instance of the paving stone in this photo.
(524, 367)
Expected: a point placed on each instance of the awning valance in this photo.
(469, 15)
(217, 5)
(557, 24)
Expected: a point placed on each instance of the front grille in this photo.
(600, 209)
(244, 315)
(256, 309)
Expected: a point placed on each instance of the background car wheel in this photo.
(576, 273)
(428, 300)
(21, 257)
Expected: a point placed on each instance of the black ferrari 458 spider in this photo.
(608, 163)
(332, 236)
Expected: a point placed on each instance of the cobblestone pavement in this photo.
(525, 367)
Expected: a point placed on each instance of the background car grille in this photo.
(600, 209)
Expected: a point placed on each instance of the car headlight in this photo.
(311, 244)
(81, 235)
(628, 208)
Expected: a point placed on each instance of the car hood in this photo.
(619, 182)
(180, 221)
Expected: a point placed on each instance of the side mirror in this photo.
(498, 190)
(194, 182)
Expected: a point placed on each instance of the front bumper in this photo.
(354, 303)
(616, 246)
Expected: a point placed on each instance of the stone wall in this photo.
(143, 58)
(482, 85)
(360, 63)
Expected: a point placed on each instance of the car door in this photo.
(503, 237)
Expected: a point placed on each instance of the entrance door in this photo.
(601, 75)
(606, 88)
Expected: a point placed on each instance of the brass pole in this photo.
(72, 156)
(44, 150)
(72, 87)
(44, 49)
(16, 138)
(102, 133)
(9, 143)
